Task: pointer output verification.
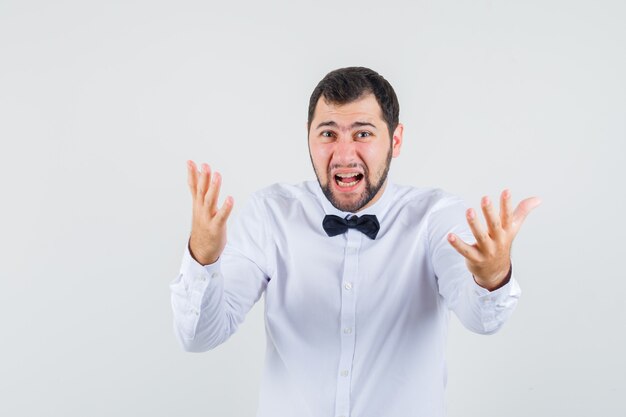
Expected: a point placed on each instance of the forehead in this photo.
(365, 108)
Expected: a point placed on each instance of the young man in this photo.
(359, 274)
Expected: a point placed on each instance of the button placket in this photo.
(347, 325)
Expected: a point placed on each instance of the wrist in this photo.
(496, 283)
(198, 257)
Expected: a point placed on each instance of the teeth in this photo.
(353, 177)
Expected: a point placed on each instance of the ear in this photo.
(396, 142)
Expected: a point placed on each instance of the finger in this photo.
(225, 210)
(468, 251)
(210, 199)
(192, 177)
(523, 208)
(494, 225)
(479, 232)
(506, 212)
(203, 182)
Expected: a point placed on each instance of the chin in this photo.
(352, 203)
(347, 206)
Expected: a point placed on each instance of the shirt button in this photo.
(199, 277)
(351, 251)
(347, 330)
(348, 286)
(195, 311)
(344, 373)
(214, 275)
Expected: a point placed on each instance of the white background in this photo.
(101, 104)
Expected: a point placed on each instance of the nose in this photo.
(345, 151)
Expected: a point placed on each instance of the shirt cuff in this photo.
(497, 305)
(196, 277)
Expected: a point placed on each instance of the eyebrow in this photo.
(355, 124)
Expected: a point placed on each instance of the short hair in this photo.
(345, 85)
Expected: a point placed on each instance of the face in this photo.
(351, 151)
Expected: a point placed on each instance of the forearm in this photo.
(197, 296)
(210, 302)
(483, 311)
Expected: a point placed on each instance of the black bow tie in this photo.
(367, 223)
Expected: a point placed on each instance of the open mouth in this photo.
(348, 180)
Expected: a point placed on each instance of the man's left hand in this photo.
(489, 259)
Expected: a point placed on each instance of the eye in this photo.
(326, 134)
(363, 134)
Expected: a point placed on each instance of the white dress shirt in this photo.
(354, 327)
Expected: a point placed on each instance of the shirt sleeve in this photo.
(480, 310)
(209, 302)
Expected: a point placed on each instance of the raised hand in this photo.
(208, 226)
(489, 259)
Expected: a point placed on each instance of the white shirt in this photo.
(354, 327)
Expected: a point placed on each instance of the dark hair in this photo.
(345, 85)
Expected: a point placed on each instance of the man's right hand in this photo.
(208, 227)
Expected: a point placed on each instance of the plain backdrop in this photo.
(101, 104)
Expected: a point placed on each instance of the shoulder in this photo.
(435, 209)
(424, 199)
(285, 192)
(281, 197)
(277, 201)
